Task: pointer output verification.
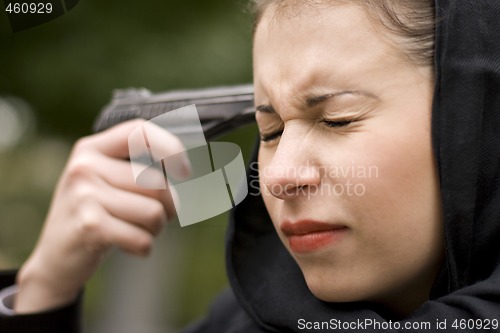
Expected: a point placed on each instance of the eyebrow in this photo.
(315, 100)
(265, 108)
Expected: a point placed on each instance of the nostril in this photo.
(286, 179)
(275, 188)
(284, 191)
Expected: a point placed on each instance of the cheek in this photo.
(406, 183)
(397, 221)
(401, 206)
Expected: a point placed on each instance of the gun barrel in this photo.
(221, 109)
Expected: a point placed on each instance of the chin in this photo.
(335, 290)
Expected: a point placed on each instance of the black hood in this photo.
(466, 137)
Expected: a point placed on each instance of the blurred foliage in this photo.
(65, 71)
(68, 67)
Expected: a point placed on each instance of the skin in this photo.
(96, 206)
(392, 247)
(393, 244)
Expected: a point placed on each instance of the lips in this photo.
(309, 236)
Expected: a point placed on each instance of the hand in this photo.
(96, 205)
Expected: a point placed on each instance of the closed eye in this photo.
(333, 124)
(271, 136)
(340, 123)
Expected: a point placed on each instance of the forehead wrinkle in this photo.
(293, 63)
(312, 23)
(310, 88)
(311, 57)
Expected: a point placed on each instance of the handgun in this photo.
(221, 109)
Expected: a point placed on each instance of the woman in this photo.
(378, 207)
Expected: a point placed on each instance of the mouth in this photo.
(307, 236)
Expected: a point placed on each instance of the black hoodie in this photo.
(268, 292)
(269, 285)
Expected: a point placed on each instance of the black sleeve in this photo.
(64, 319)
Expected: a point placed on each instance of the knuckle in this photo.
(90, 221)
(80, 167)
(82, 144)
(91, 231)
(84, 192)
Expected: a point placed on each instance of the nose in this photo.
(293, 171)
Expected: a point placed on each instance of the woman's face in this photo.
(346, 163)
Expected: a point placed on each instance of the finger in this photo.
(97, 230)
(128, 237)
(118, 174)
(152, 145)
(137, 209)
(147, 145)
(112, 142)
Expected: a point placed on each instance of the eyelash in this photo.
(328, 123)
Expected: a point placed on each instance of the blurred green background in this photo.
(55, 78)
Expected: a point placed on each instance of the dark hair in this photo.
(411, 22)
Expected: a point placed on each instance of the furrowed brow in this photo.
(315, 100)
